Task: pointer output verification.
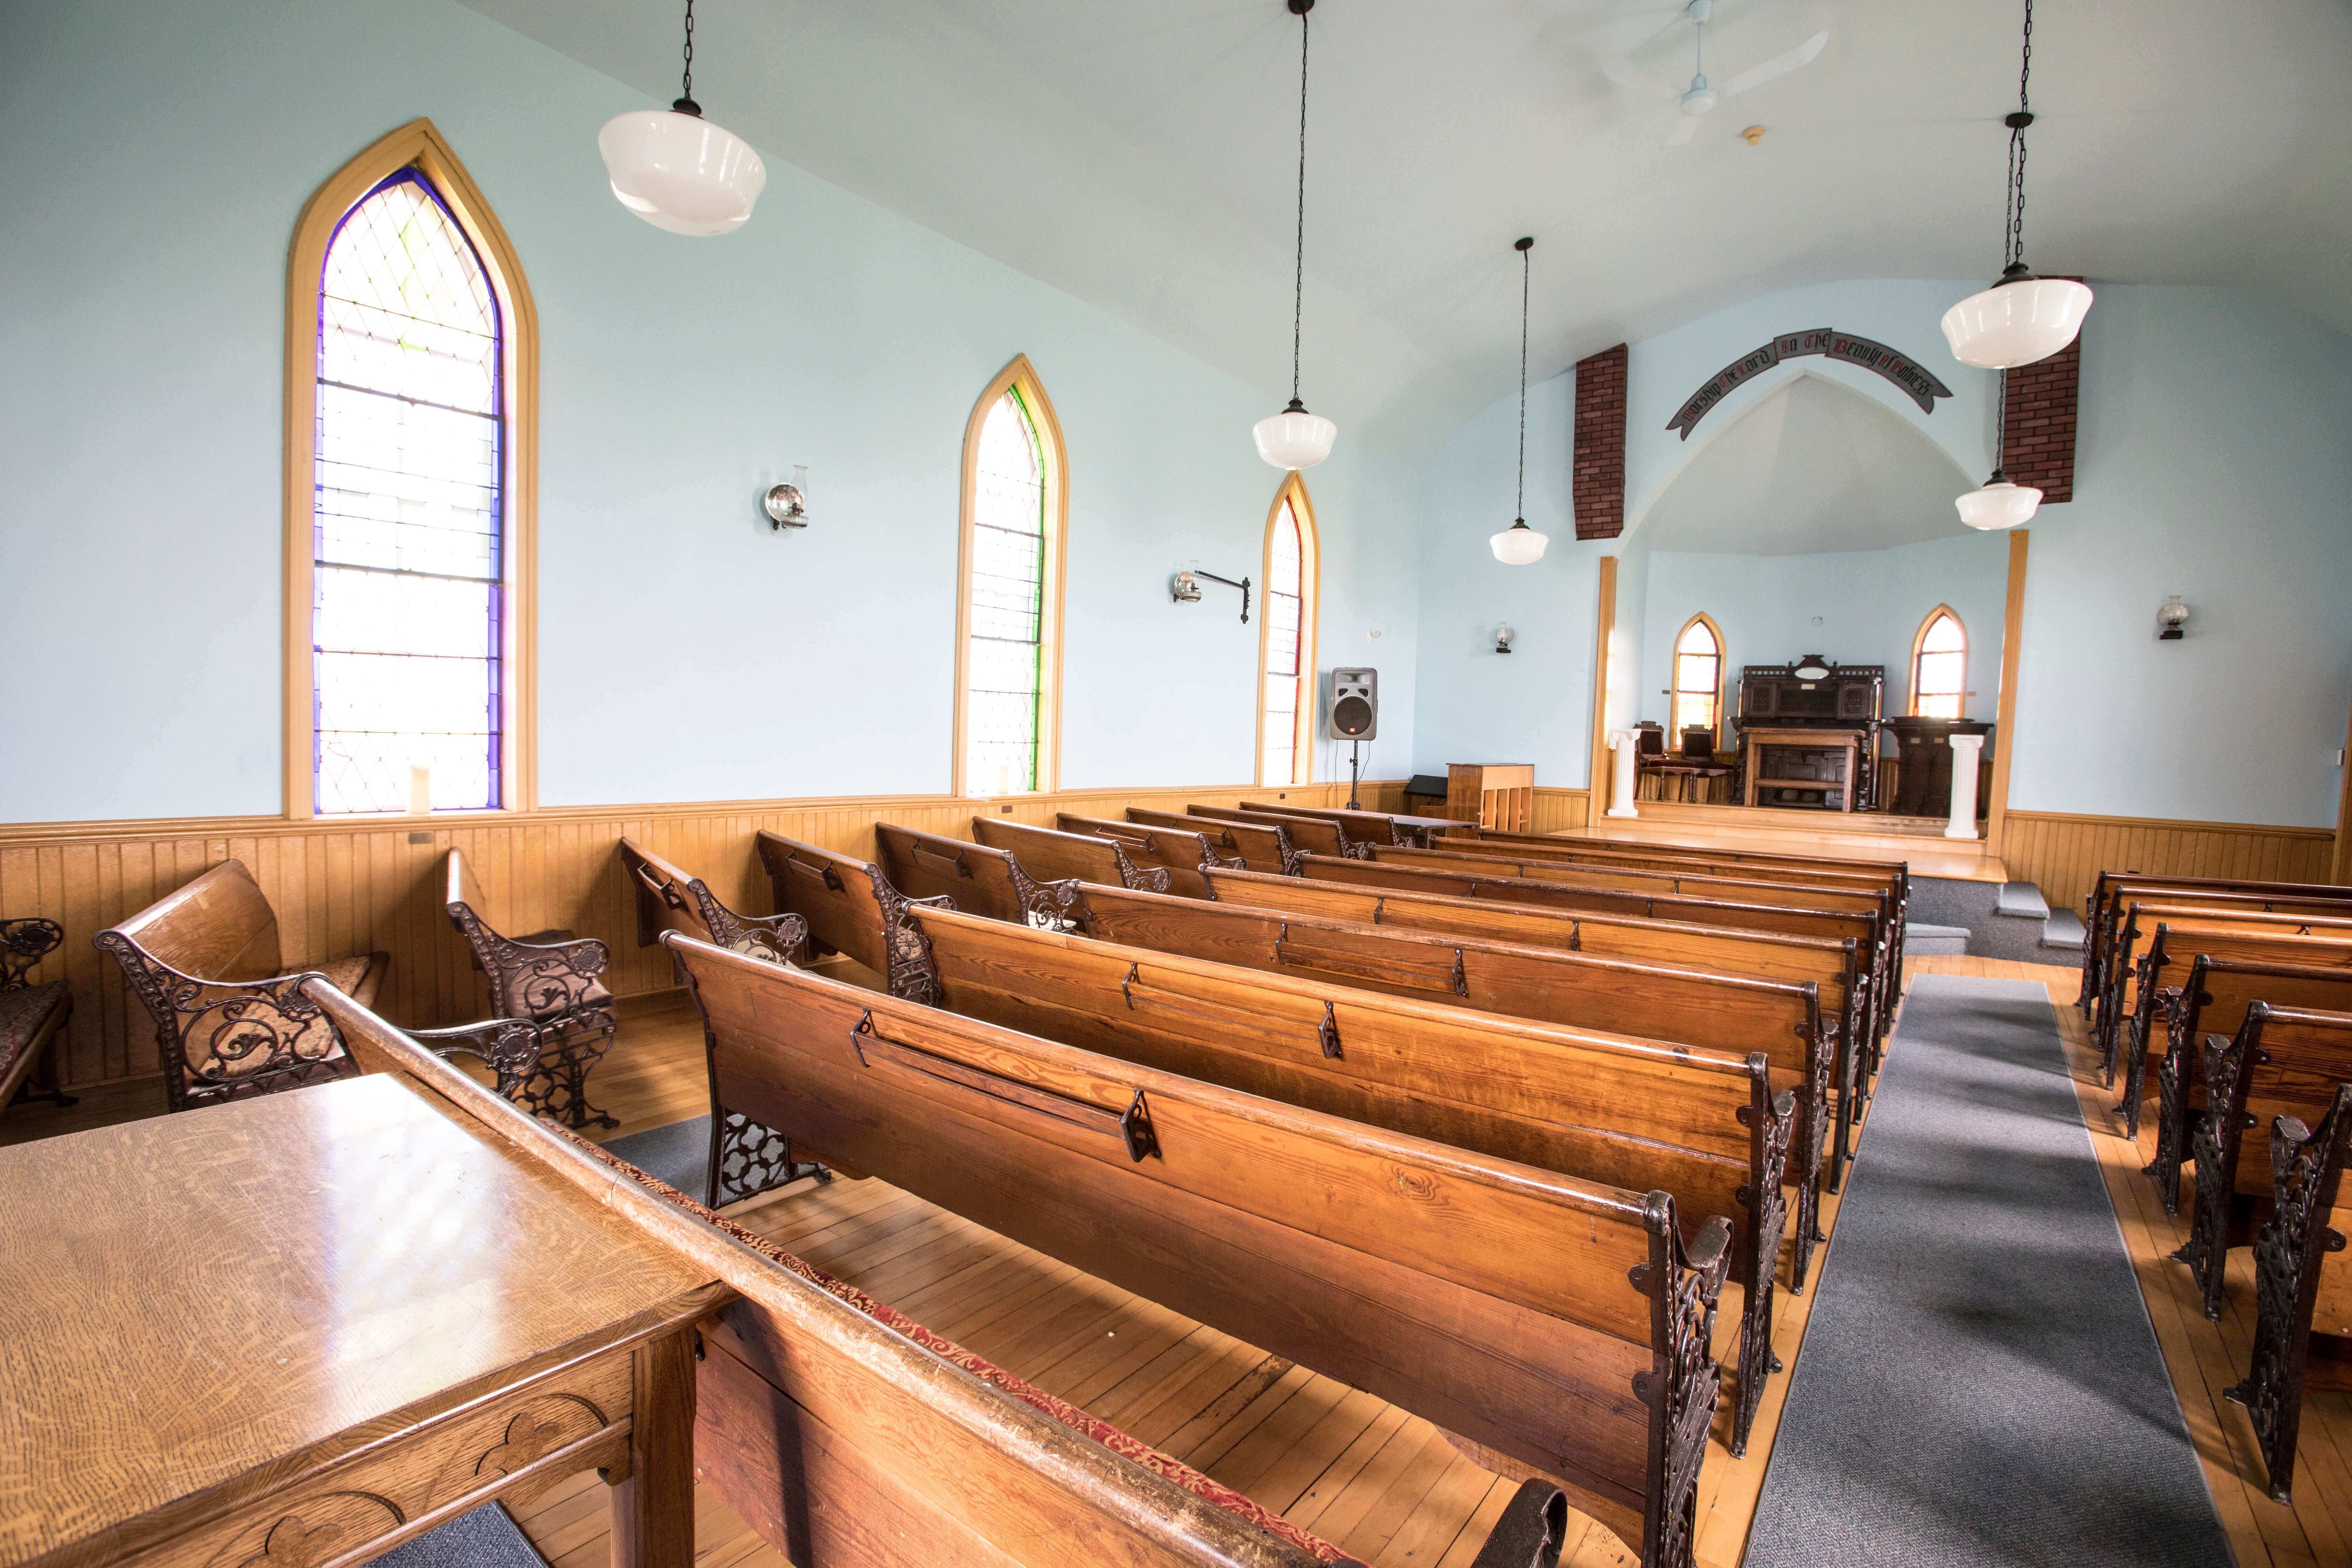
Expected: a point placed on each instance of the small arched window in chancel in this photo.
(1286, 666)
(1008, 665)
(1698, 678)
(1939, 667)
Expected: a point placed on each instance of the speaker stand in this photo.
(1355, 754)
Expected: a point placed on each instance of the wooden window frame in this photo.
(1675, 678)
(1292, 489)
(417, 144)
(1918, 640)
(1056, 467)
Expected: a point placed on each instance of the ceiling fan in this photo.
(1701, 96)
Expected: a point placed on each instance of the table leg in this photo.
(653, 1510)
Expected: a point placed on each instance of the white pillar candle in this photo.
(420, 789)
(1964, 785)
(1620, 792)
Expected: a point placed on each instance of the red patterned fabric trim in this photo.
(1068, 1414)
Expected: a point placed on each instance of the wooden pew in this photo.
(1702, 1125)
(1833, 964)
(2301, 1286)
(1048, 852)
(230, 1019)
(2214, 1000)
(849, 907)
(31, 1016)
(1182, 852)
(2103, 914)
(1512, 1307)
(1260, 846)
(2283, 1061)
(847, 1434)
(1307, 834)
(1358, 830)
(2134, 916)
(976, 878)
(2178, 933)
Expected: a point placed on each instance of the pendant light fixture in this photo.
(2021, 318)
(1999, 504)
(1294, 438)
(677, 171)
(1520, 545)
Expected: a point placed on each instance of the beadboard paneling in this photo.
(2064, 855)
(344, 886)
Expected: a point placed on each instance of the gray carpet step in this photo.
(2063, 932)
(2021, 900)
(1934, 941)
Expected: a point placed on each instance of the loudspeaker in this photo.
(1355, 704)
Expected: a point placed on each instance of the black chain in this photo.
(1299, 278)
(1526, 265)
(2013, 230)
(1999, 425)
(688, 93)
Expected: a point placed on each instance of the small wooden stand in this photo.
(1500, 795)
(1826, 760)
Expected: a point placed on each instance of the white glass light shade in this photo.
(2017, 323)
(1520, 545)
(1999, 504)
(679, 172)
(1295, 439)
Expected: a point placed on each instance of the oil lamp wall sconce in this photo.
(1185, 588)
(787, 504)
(2173, 618)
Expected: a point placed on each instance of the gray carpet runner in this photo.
(679, 1153)
(486, 1538)
(1980, 1383)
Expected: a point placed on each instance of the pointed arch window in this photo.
(1008, 662)
(1939, 667)
(411, 370)
(1285, 692)
(1698, 677)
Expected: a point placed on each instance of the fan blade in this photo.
(1777, 66)
(1620, 72)
(1684, 129)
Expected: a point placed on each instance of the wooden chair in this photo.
(2296, 1256)
(230, 1017)
(31, 1016)
(549, 978)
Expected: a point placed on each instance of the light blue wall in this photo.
(1869, 604)
(167, 150)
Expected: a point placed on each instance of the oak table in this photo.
(303, 1328)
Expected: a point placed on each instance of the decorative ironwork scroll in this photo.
(912, 976)
(1154, 880)
(230, 1040)
(555, 986)
(1684, 1381)
(1863, 352)
(23, 945)
(2217, 1145)
(1047, 905)
(1770, 1123)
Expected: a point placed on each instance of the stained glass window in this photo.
(1940, 671)
(1284, 680)
(1698, 677)
(1005, 626)
(409, 522)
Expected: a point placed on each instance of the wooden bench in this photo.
(1260, 846)
(2283, 1061)
(1182, 852)
(2300, 1282)
(1736, 1015)
(2146, 1005)
(32, 1018)
(1358, 830)
(1308, 836)
(846, 1432)
(555, 981)
(1514, 1307)
(1702, 1125)
(1833, 964)
(849, 907)
(230, 1019)
(1049, 854)
(2103, 915)
(2135, 916)
(2214, 999)
(976, 878)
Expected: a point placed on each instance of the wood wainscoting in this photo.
(374, 884)
(1557, 810)
(2063, 855)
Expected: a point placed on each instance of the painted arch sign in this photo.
(1899, 368)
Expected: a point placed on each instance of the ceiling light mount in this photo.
(677, 171)
(1520, 545)
(1294, 438)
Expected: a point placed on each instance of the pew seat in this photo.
(230, 1018)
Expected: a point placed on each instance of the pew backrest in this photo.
(669, 897)
(1307, 834)
(848, 906)
(1872, 899)
(1358, 830)
(1260, 846)
(1050, 854)
(1181, 852)
(979, 878)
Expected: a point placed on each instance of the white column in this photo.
(1964, 785)
(1620, 789)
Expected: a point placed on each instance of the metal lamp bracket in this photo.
(1184, 580)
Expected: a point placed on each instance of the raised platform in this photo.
(1836, 835)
